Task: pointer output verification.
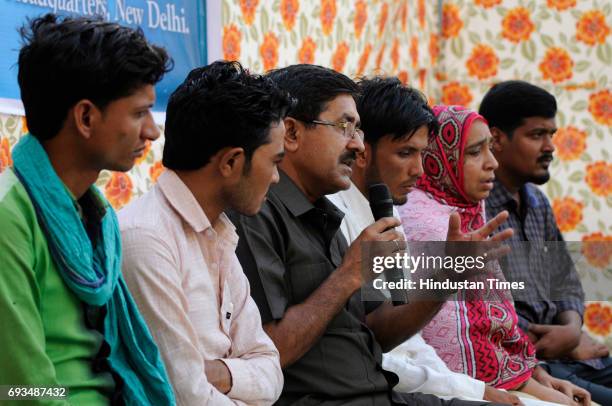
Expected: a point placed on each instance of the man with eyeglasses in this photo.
(304, 277)
(349, 129)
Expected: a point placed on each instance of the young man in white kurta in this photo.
(415, 362)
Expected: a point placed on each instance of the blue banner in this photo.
(177, 25)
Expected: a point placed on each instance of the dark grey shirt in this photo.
(287, 250)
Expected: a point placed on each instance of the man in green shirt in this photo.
(67, 318)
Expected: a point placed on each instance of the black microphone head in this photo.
(381, 201)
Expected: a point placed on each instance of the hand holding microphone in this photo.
(383, 230)
(381, 204)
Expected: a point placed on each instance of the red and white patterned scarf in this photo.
(443, 164)
(479, 338)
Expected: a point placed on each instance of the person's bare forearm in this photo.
(218, 375)
(392, 325)
(303, 324)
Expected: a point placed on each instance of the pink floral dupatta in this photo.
(478, 338)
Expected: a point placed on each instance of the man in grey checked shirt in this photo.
(522, 121)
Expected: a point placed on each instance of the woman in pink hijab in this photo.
(480, 338)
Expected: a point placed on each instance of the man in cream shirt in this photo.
(224, 139)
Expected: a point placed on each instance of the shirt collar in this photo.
(184, 202)
(354, 204)
(291, 196)
(92, 198)
(360, 201)
(296, 201)
(528, 195)
(500, 196)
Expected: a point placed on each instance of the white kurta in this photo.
(415, 362)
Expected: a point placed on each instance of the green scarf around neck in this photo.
(93, 273)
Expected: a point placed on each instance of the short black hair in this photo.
(67, 59)
(217, 106)
(387, 107)
(507, 104)
(313, 86)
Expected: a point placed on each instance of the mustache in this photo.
(546, 157)
(349, 155)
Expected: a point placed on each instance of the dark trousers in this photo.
(420, 399)
(388, 399)
(597, 381)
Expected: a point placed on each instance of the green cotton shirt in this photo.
(43, 337)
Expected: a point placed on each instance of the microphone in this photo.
(381, 204)
(381, 201)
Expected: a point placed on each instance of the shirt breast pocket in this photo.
(305, 279)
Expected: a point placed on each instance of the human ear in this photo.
(231, 162)
(499, 138)
(293, 134)
(85, 115)
(363, 158)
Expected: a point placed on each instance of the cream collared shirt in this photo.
(189, 286)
